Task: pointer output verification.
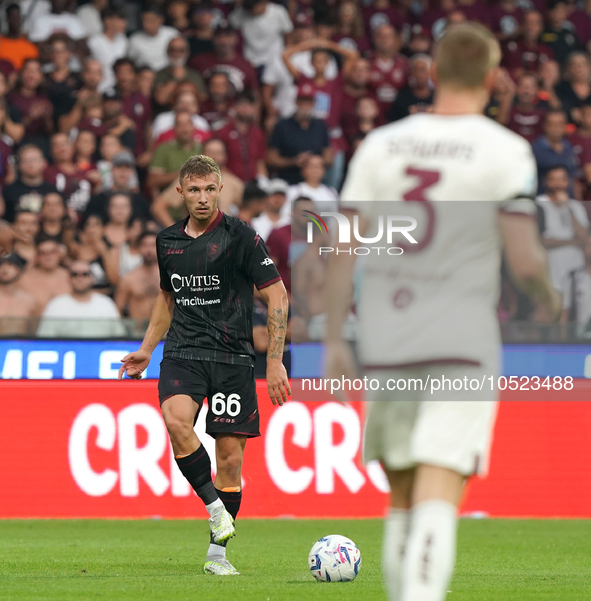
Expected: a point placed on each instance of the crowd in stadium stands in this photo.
(102, 102)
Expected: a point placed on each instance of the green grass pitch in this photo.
(62, 560)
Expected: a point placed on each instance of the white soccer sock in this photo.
(430, 552)
(395, 536)
(216, 551)
(215, 507)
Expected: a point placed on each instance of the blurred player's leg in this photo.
(228, 481)
(396, 529)
(431, 546)
(192, 459)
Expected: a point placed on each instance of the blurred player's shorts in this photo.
(446, 428)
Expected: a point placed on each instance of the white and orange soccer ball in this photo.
(334, 558)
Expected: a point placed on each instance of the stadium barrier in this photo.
(98, 448)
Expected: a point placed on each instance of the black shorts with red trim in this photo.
(229, 388)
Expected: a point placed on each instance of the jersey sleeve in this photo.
(165, 283)
(258, 266)
(518, 182)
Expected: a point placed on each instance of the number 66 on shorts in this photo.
(229, 388)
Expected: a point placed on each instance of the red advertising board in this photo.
(100, 449)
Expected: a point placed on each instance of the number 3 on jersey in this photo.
(220, 404)
(426, 179)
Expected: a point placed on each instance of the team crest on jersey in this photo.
(213, 249)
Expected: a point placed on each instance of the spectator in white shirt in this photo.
(185, 102)
(564, 225)
(90, 15)
(110, 45)
(263, 25)
(324, 197)
(58, 20)
(147, 48)
(82, 314)
(272, 216)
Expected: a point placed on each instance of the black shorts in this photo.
(230, 390)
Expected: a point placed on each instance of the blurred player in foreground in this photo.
(431, 312)
(209, 264)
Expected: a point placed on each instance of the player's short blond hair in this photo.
(200, 166)
(464, 55)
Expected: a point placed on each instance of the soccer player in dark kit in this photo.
(209, 264)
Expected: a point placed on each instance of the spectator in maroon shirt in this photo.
(475, 10)
(581, 141)
(6, 167)
(219, 100)
(367, 114)
(389, 69)
(33, 104)
(582, 25)
(527, 53)
(505, 20)
(527, 114)
(349, 31)
(244, 140)
(286, 244)
(71, 181)
(434, 19)
(355, 86)
(135, 106)
(381, 12)
(225, 58)
(11, 127)
(581, 137)
(549, 77)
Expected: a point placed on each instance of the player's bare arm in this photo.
(339, 359)
(580, 230)
(275, 296)
(135, 363)
(528, 262)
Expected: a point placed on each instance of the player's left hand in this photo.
(339, 362)
(277, 382)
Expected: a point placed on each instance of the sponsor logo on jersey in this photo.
(267, 261)
(174, 251)
(192, 302)
(193, 281)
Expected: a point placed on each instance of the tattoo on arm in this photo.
(277, 328)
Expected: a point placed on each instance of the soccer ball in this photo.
(334, 558)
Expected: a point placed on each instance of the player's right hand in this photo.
(134, 364)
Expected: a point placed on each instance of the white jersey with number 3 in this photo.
(437, 301)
